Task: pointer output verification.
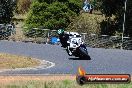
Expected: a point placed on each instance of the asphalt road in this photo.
(104, 61)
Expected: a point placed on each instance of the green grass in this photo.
(61, 84)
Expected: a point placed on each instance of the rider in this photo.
(74, 45)
(63, 37)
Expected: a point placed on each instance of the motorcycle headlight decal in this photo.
(74, 41)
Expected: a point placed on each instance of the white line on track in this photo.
(52, 64)
(44, 65)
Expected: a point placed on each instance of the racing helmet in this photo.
(60, 31)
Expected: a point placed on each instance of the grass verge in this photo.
(60, 84)
(8, 61)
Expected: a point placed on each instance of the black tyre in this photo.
(82, 53)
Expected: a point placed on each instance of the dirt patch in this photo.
(8, 61)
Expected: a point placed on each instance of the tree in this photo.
(6, 10)
(53, 14)
(128, 26)
(112, 8)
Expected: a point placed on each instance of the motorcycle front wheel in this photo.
(82, 52)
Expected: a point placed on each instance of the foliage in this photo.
(117, 8)
(6, 10)
(108, 27)
(128, 26)
(52, 14)
(96, 4)
(23, 6)
(86, 23)
(112, 8)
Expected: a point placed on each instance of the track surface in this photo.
(102, 60)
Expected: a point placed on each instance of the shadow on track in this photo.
(77, 58)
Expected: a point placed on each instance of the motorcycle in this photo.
(75, 46)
